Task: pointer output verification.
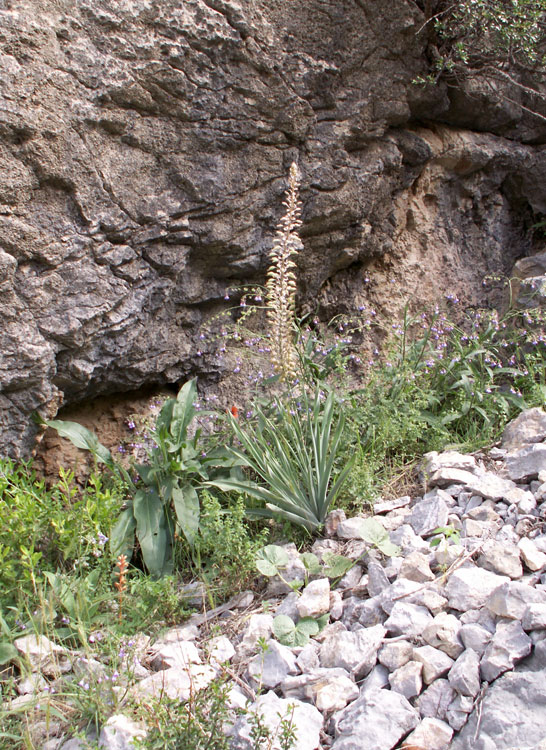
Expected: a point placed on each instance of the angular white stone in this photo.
(509, 644)
(527, 427)
(382, 717)
(457, 713)
(429, 514)
(475, 636)
(407, 679)
(443, 633)
(416, 567)
(220, 650)
(502, 558)
(119, 732)
(350, 529)
(315, 599)
(176, 683)
(304, 718)
(396, 654)
(526, 463)
(178, 654)
(407, 619)
(431, 734)
(534, 617)
(270, 667)
(434, 461)
(464, 675)
(259, 626)
(469, 587)
(533, 558)
(436, 699)
(435, 663)
(44, 655)
(329, 689)
(354, 651)
(511, 599)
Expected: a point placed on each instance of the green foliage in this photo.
(292, 451)
(226, 545)
(496, 40)
(50, 529)
(448, 533)
(167, 501)
(442, 384)
(197, 724)
(296, 634)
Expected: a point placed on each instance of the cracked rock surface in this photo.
(144, 147)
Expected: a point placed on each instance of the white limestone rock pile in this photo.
(443, 647)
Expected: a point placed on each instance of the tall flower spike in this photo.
(281, 282)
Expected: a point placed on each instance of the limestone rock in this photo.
(430, 734)
(469, 587)
(396, 654)
(512, 714)
(509, 644)
(270, 667)
(174, 682)
(383, 717)
(435, 663)
(407, 619)
(407, 679)
(315, 599)
(305, 719)
(118, 733)
(443, 634)
(528, 427)
(429, 514)
(436, 699)
(526, 463)
(464, 675)
(501, 558)
(511, 599)
(356, 652)
(533, 558)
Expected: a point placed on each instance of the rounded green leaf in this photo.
(311, 562)
(372, 531)
(284, 630)
(266, 568)
(271, 559)
(308, 625)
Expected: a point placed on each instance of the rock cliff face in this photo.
(144, 148)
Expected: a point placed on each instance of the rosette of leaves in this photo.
(291, 450)
(165, 499)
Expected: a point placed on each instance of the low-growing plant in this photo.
(198, 723)
(292, 451)
(57, 529)
(272, 560)
(166, 498)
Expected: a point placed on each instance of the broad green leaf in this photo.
(8, 653)
(308, 625)
(311, 562)
(154, 537)
(372, 531)
(271, 559)
(183, 411)
(290, 634)
(322, 621)
(186, 506)
(284, 629)
(336, 565)
(388, 548)
(122, 535)
(82, 438)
